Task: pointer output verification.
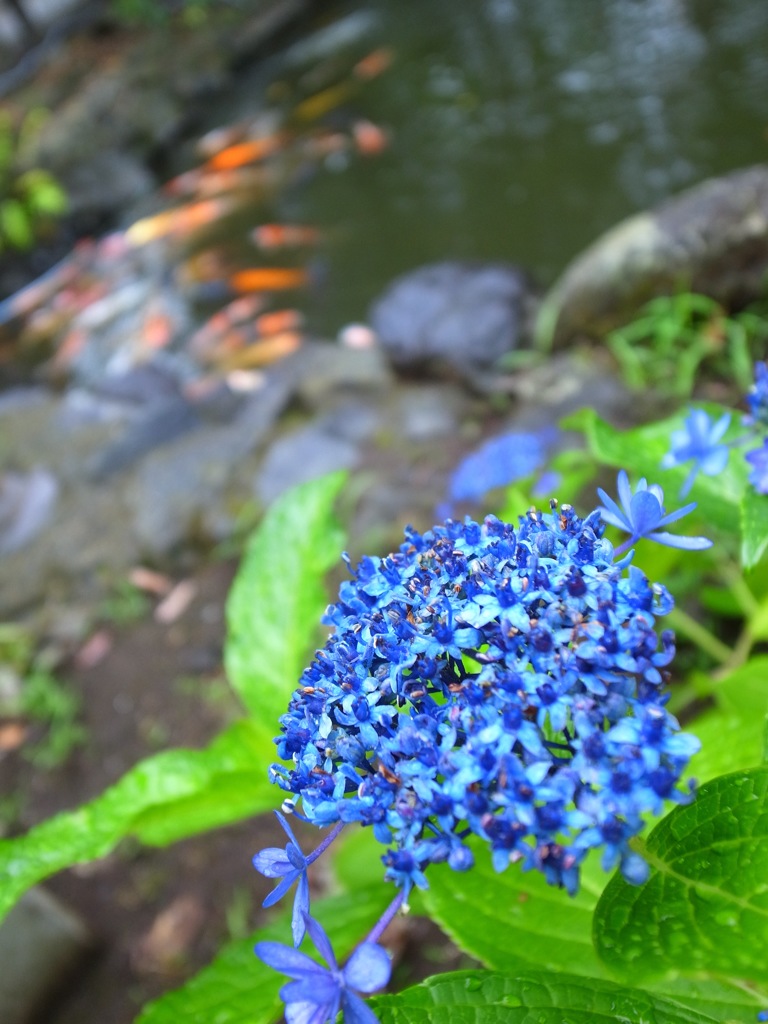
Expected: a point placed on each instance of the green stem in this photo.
(732, 576)
(683, 623)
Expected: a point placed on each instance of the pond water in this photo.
(522, 129)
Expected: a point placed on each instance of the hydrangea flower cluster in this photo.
(492, 681)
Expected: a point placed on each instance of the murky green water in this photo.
(521, 129)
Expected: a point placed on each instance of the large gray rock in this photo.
(465, 315)
(712, 239)
(41, 945)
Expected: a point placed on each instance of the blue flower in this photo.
(642, 513)
(317, 993)
(758, 475)
(498, 462)
(757, 399)
(699, 440)
(289, 864)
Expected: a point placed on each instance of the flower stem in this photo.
(382, 924)
(683, 623)
(326, 842)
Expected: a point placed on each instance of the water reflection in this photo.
(523, 128)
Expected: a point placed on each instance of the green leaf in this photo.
(278, 597)
(729, 743)
(15, 224)
(236, 988)
(515, 917)
(640, 452)
(164, 798)
(754, 527)
(532, 997)
(704, 908)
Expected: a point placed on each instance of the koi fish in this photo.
(234, 314)
(370, 140)
(284, 236)
(205, 183)
(278, 322)
(374, 64)
(268, 279)
(247, 152)
(263, 352)
(182, 221)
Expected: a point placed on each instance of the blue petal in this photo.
(673, 540)
(368, 969)
(645, 513)
(287, 829)
(300, 910)
(625, 491)
(309, 1013)
(321, 941)
(356, 1011)
(288, 961)
(672, 517)
(612, 513)
(280, 890)
(318, 989)
(272, 862)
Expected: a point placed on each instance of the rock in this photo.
(302, 455)
(712, 239)
(41, 945)
(27, 501)
(465, 315)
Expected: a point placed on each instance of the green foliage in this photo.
(676, 337)
(276, 602)
(705, 908)
(526, 924)
(485, 997)
(236, 988)
(155, 13)
(35, 695)
(29, 199)
(179, 793)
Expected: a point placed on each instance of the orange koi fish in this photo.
(234, 314)
(268, 279)
(374, 64)
(249, 151)
(370, 140)
(182, 221)
(204, 183)
(284, 236)
(278, 322)
(263, 352)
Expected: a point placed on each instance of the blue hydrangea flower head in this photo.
(641, 514)
(758, 474)
(699, 441)
(290, 865)
(757, 399)
(476, 682)
(317, 993)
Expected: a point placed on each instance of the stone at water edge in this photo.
(712, 239)
(42, 944)
(464, 315)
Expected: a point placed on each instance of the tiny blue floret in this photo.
(316, 993)
(642, 513)
(289, 864)
(699, 440)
